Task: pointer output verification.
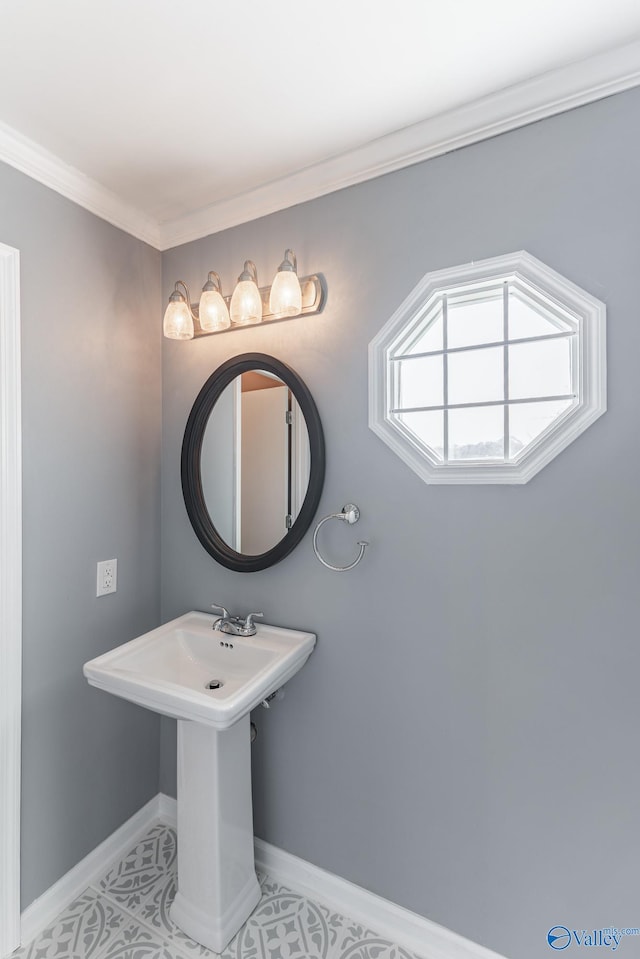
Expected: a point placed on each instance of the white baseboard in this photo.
(50, 904)
(405, 928)
(168, 809)
(415, 933)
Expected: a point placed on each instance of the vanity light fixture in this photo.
(287, 298)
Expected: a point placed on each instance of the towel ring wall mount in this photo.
(349, 514)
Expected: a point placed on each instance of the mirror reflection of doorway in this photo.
(273, 465)
(264, 462)
(255, 462)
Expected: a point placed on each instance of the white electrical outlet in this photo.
(107, 577)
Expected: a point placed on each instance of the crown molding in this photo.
(544, 96)
(29, 157)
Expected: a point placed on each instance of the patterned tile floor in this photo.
(126, 916)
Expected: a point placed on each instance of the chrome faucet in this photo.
(234, 625)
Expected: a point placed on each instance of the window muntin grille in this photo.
(483, 372)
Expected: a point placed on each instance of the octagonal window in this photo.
(487, 371)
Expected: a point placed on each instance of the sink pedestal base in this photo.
(217, 884)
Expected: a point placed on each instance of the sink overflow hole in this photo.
(214, 684)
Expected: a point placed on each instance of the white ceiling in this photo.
(176, 119)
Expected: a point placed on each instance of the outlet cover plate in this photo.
(107, 578)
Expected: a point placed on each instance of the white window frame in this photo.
(588, 318)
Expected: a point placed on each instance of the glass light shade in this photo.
(178, 323)
(214, 314)
(246, 304)
(285, 298)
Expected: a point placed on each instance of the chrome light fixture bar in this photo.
(287, 298)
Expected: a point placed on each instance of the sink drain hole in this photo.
(214, 684)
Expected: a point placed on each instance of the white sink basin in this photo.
(169, 669)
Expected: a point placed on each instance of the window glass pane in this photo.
(526, 319)
(419, 382)
(528, 420)
(531, 314)
(430, 339)
(475, 320)
(540, 369)
(428, 428)
(477, 433)
(425, 335)
(476, 376)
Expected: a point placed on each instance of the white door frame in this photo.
(10, 598)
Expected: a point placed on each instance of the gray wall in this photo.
(463, 739)
(91, 446)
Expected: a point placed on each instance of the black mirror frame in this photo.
(192, 449)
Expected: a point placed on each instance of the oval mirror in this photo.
(252, 462)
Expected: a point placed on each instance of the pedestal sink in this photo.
(209, 682)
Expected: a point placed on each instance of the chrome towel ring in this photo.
(349, 514)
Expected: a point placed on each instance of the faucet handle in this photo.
(249, 621)
(223, 611)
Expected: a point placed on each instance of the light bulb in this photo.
(178, 322)
(246, 302)
(285, 298)
(214, 315)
